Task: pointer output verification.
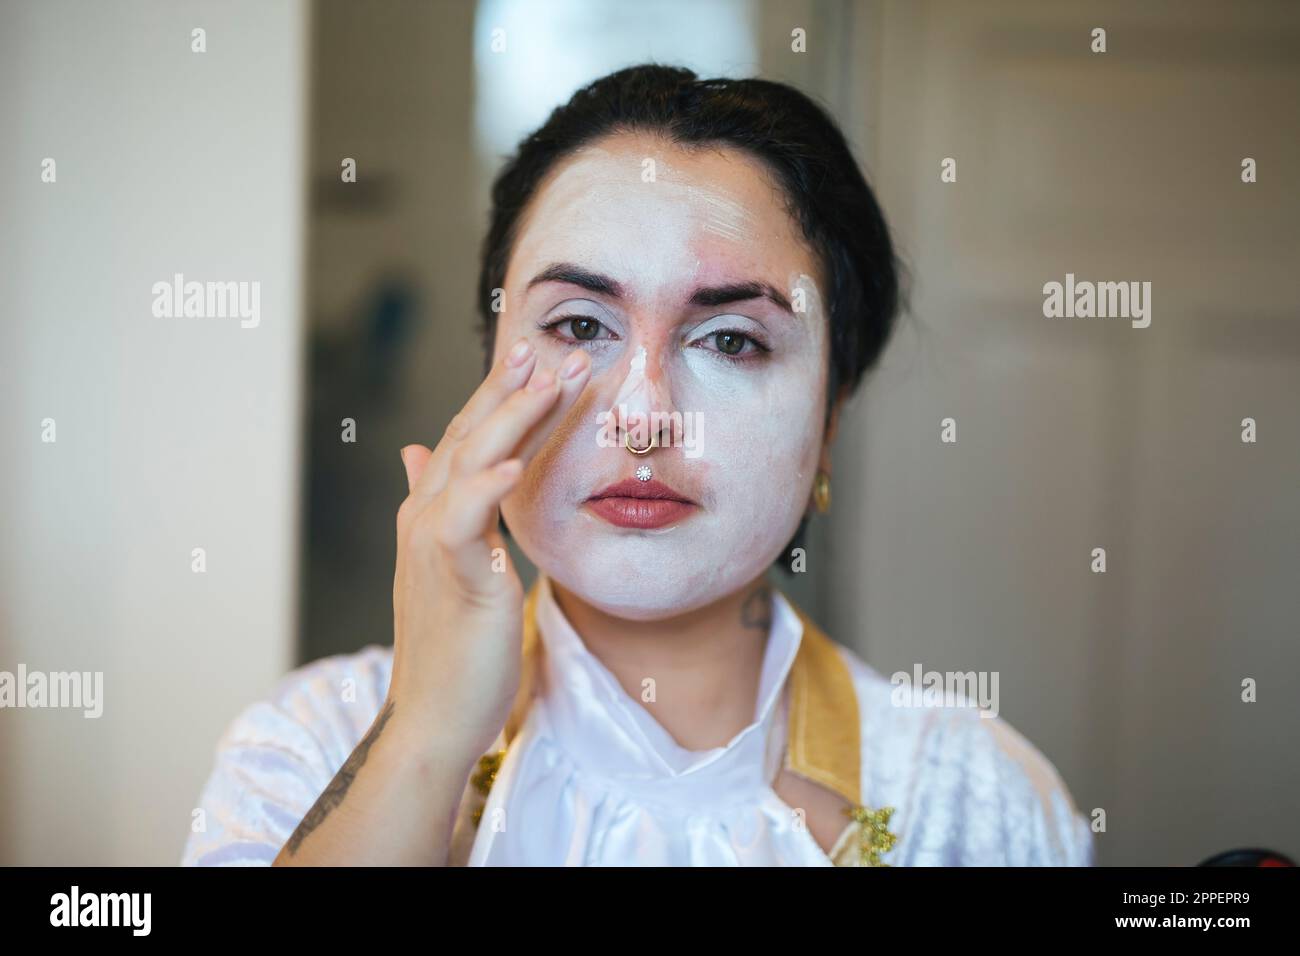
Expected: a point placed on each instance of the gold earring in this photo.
(822, 492)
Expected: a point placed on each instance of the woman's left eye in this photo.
(733, 345)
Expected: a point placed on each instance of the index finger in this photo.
(506, 377)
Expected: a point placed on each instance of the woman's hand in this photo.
(459, 629)
(457, 600)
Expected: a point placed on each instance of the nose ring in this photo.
(627, 443)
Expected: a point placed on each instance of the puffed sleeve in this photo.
(1048, 829)
(278, 755)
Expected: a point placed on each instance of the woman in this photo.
(682, 282)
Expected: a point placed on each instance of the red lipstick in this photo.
(640, 504)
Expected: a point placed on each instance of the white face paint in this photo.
(634, 384)
(713, 218)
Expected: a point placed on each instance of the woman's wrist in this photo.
(422, 736)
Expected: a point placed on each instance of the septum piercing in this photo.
(627, 443)
(644, 473)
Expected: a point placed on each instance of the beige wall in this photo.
(1083, 433)
(172, 433)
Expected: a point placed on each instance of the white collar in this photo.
(609, 733)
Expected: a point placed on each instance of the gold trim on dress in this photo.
(824, 727)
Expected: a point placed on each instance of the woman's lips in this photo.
(636, 504)
(640, 512)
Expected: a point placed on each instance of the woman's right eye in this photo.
(581, 328)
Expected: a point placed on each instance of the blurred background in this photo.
(1073, 434)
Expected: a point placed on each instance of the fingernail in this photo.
(519, 353)
(573, 365)
(542, 380)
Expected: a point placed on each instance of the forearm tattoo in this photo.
(338, 787)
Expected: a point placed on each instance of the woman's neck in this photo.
(706, 664)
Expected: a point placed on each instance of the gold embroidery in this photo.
(873, 837)
(484, 777)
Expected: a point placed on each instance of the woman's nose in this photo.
(642, 408)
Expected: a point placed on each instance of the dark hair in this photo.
(796, 139)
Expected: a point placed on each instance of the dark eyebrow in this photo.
(576, 275)
(740, 292)
(705, 296)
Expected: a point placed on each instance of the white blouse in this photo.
(591, 778)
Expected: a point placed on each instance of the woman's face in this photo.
(648, 246)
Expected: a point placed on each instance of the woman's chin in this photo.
(640, 584)
(637, 608)
(647, 575)
(647, 594)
